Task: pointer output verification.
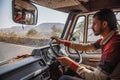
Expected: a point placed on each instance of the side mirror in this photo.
(24, 12)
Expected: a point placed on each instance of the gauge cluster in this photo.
(48, 55)
(45, 53)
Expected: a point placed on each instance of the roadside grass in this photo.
(25, 40)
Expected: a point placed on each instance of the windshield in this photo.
(50, 23)
(18, 39)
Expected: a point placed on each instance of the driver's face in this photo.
(97, 26)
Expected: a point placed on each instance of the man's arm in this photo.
(76, 46)
(82, 46)
(67, 62)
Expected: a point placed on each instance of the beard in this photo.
(98, 31)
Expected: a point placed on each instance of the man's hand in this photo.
(65, 61)
(58, 41)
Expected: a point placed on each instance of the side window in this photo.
(90, 36)
(118, 19)
(78, 32)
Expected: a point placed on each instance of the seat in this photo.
(115, 75)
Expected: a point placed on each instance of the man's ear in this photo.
(105, 23)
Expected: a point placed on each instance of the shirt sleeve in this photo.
(74, 66)
(82, 46)
(78, 68)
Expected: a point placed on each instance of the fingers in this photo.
(61, 60)
(65, 61)
(54, 42)
(54, 37)
(57, 40)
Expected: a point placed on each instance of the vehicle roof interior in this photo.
(20, 4)
(84, 5)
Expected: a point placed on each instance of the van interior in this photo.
(40, 63)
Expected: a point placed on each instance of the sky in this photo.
(44, 15)
(48, 15)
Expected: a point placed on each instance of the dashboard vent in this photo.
(42, 62)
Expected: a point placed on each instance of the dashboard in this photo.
(34, 67)
(46, 54)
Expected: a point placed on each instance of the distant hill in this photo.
(41, 28)
(16, 29)
(47, 27)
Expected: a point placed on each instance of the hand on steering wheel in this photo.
(60, 53)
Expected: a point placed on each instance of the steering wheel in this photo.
(60, 52)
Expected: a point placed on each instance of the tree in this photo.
(32, 32)
(12, 34)
(56, 31)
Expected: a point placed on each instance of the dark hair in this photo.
(109, 16)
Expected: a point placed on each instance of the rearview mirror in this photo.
(24, 12)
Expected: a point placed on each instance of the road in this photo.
(8, 51)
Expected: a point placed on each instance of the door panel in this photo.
(91, 59)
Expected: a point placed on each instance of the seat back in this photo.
(116, 73)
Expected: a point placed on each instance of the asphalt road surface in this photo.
(8, 51)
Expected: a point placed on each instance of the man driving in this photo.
(104, 24)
